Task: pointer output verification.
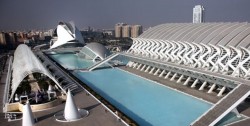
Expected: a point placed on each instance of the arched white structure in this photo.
(94, 51)
(25, 63)
(218, 47)
(67, 33)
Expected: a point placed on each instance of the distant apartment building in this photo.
(118, 30)
(12, 38)
(198, 14)
(125, 31)
(136, 30)
(2, 38)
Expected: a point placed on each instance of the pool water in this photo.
(148, 103)
(72, 61)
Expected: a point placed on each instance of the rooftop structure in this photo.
(67, 33)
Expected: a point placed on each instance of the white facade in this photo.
(67, 33)
(218, 47)
(198, 14)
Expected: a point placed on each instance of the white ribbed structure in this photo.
(28, 119)
(71, 112)
(25, 63)
(217, 47)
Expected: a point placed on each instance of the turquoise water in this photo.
(146, 102)
(71, 61)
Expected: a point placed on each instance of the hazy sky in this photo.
(45, 14)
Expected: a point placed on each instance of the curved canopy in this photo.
(218, 47)
(67, 33)
(224, 34)
(25, 63)
(94, 50)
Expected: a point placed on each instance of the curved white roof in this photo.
(224, 34)
(67, 33)
(98, 49)
(25, 63)
(218, 47)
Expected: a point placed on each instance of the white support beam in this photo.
(221, 91)
(143, 67)
(211, 88)
(167, 75)
(147, 69)
(179, 80)
(186, 82)
(202, 86)
(162, 73)
(194, 84)
(139, 67)
(152, 70)
(173, 77)
(157, 71)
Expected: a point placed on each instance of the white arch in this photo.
(25, 63)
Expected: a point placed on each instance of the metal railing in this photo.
(7, 84)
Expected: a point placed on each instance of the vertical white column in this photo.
(157, 71)
(179, 80)
(203, 85)
(162, 73)
(152, 70)
(139, 66)
(147, 68)
(211, 89)
(143, 67)
(186, 82)
(173, 77)
(221, 91)
(194, 84)
(167, 75)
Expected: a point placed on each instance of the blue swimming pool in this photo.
(71, 61)
(146, 102)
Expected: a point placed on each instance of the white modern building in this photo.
(198, 14)
(67, 33)
(209, 57)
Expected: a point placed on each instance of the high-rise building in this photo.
(198, 14)
(136, 30)
(118, 30)
(126, 31)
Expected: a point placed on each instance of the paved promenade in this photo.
(98, 115)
